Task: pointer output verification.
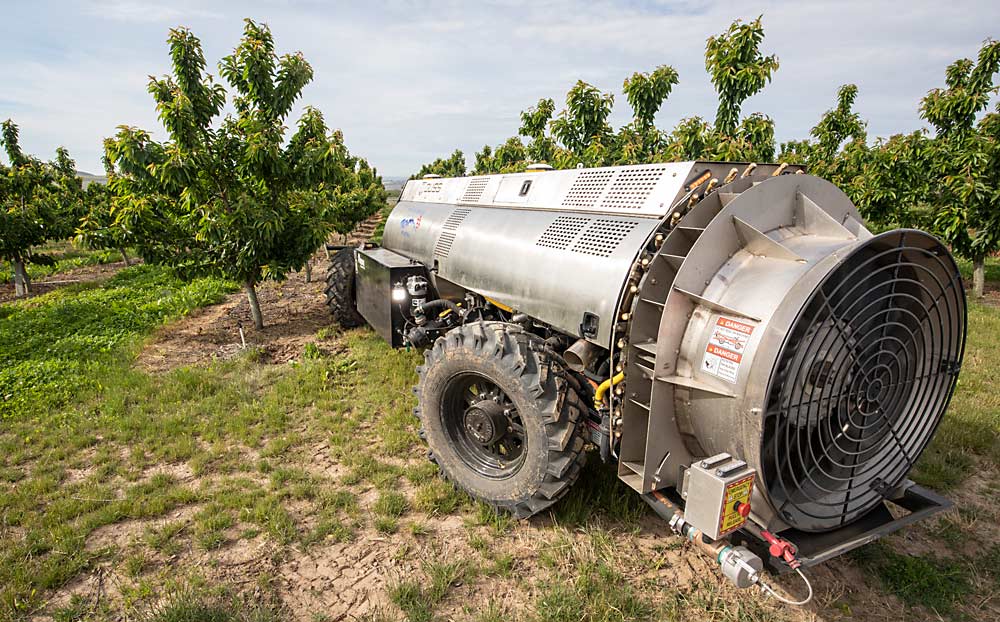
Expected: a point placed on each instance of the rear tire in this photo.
(340, 293)
(481, 378)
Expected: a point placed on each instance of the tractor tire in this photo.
(340, 294)
(502, 421)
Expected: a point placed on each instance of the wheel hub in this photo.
(486, 422)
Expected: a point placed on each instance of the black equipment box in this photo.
(378, 270)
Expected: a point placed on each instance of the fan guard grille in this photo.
(863, 379)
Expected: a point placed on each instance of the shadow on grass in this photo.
(599, 497)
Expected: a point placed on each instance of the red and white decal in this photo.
(724, 352)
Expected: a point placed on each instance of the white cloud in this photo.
(410, 81)
(138, 11)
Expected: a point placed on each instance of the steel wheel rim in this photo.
(483, 425)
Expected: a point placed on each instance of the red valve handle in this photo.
(782, 549)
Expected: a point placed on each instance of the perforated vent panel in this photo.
(587, 188)
(562, 232)
(448, 232)
(474, 191)
(631, 188)
(602, 237)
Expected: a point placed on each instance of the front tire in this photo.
(340, 291)
(501, 420)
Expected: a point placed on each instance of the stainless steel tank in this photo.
(552, 244)
(758, 317)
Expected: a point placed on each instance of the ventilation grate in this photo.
(562, 232)
(587, 188)
(631, 188)
(602, 237)
(474, 191)
(862, 381)
(448, 232)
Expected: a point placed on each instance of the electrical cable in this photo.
(770, 591)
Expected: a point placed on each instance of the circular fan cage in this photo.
(863, 379)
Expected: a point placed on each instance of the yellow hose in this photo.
(499, 305)
(604, 386)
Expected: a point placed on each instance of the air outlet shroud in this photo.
(474, 191)
(631, 188)
(587, 188)
(863, 380)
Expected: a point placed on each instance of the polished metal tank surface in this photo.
(552, 244)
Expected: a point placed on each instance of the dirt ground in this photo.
(293, 309)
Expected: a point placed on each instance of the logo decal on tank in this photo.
(410, 224)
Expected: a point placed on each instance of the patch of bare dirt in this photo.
(342, 579)
(83, 274)
(991, 294)
(293, 311)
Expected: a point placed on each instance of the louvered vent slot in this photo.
(448, 232)
(474, 191)
(631, 188)
(587, 188)
(562, 232)
(602, 237)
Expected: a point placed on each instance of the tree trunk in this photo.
(258, 319)
(978, 276)
(21, 282)
(128, 262)
(309, 272)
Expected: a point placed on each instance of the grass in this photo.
(391, 504)
(198, 461)
(380, 229)
(58, 345)
(970, 431)
(601, 497)
(992, 269)
(437, 497)
(417, 598)
(926, 581)
(192, 605)
(585, 583)
(98, 443)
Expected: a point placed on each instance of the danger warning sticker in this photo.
(725, 348)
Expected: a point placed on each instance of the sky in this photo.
(409, 81)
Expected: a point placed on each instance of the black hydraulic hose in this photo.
(440, 305)
(605, 370)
